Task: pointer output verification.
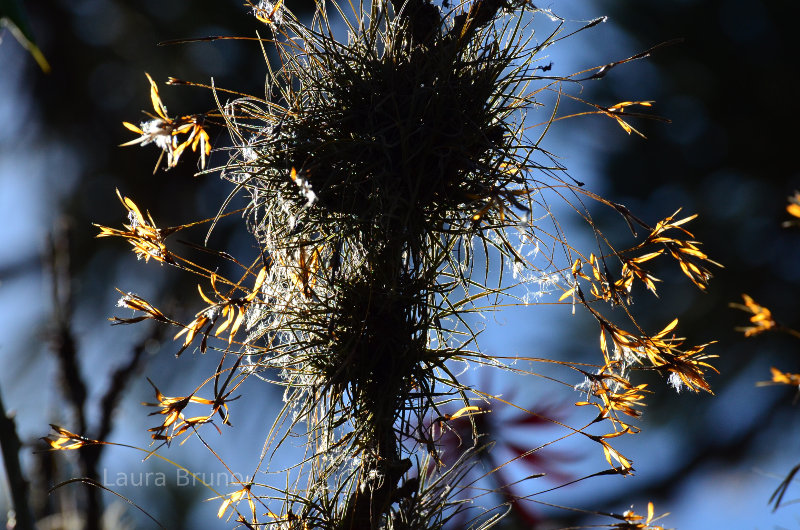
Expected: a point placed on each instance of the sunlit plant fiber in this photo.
(390, 173)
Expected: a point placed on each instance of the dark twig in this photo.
(10, 445)
(120, 379)
(63, 340)
(65, 349)
(74, 386)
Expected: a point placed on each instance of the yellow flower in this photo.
(794, 205)
(232, 309)
(174, 423)
(234, 498)
(165, 132)
(762, 317)
(67, 440)
(616, 395)
(141, 233)
(638, 522)
(782, 378)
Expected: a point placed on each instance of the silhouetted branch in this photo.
(63, 340)
(10, 445)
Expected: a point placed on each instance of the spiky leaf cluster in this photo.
(374, 169)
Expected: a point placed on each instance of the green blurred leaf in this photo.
(12, 16)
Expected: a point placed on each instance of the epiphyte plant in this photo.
(395, 186)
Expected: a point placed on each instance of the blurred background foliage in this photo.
(729, 88)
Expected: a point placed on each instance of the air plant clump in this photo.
(410, 136)
(389, 173)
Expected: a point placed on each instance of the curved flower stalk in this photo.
(395, 189)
